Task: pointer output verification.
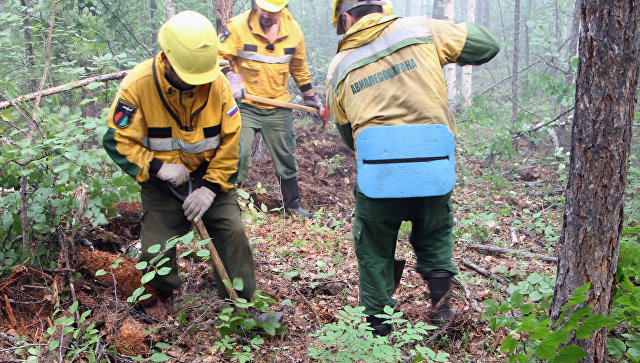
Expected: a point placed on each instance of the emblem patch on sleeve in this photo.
(233, 111)
(123, 115)
(225, 34)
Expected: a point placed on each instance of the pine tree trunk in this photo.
(438, 9)
(224, 12)
(467, 71)
(601, 136)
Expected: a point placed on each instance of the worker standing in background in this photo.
(265, 46)
(387, 82)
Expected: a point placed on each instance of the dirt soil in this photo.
(309, 267)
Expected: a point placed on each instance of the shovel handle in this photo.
(213, 253)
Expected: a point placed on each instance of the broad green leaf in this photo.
(616, 347)
(571, 353)
(163, 345)
(100, 272)
(509, 344)
(164, 271)
(591, 323)
(546, 350)
(148, 277)
(141, 265)
(154, 249)
(238, 284)
(159, 357)
(203, 253)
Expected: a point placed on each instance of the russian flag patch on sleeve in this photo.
(233, 111)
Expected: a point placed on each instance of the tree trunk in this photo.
(516, 50)
(527, 51)
(450, 69)
(224, 12)
(601, 136)
(467, 71)
(29, 52)
(438, 9)
(153, 7)
(171, 10)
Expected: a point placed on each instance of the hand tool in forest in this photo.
(213, 253)
(294, 106)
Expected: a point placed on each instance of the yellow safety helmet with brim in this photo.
(190, 43)
(342, 6)
(272, 6)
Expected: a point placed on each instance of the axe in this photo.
(294, 106)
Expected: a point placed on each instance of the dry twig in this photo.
(487, 273)
(485, 248)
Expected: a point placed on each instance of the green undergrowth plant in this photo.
(350, 339)
(531, 336)
(240, 332)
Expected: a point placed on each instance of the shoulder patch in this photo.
(233, 111)
(224, 35)
(123, 115)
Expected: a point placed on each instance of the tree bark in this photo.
(153, 7)
(29, 52)
(467, 71)
(171, 9)
(516, 51)
(224, 12)
(601, 136)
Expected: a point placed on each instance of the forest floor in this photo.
(308, 266)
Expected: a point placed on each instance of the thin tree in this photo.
(467, 72)
(450, 69)
(588, 249)
(224, 12)
(516, 51)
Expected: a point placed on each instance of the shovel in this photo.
(213, 253)
(294, 106)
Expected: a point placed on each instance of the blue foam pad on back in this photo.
(406, 161)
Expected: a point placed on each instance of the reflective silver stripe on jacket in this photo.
(170, 144)
(378, 49)
(265, 58)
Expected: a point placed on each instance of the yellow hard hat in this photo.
(387, 9)
(342, 6)
(190, 43)
(272, 6)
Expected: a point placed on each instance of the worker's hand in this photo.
(176, 174)
(237, 86)
(197, 203)
(312, 99)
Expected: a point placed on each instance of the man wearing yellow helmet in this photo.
(174, 118)
(388, 72)
(265, 46)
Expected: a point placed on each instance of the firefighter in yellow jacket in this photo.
(388, 72)
(265, 46)
(174, 118)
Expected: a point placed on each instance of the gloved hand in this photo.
(176, 174)
(237, 86)
(312, 99)
(197, 203)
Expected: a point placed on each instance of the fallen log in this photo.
(485, 248)
(65, 87)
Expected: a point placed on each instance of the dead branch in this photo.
(487, 273)
(507, 78)
(514, 235)
(65, 87)
(308, 303)
(538, 126)
(485, 248)
(467, 294)
(12, 319)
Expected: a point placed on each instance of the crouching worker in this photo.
(387, 93)
(174, 118)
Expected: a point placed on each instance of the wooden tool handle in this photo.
(270, 102)
(217, 262)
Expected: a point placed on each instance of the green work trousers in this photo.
(375, 232)
(276, 126)
(163, 218)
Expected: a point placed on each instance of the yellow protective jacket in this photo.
(388, 71)
(265, 67)
(151, 121)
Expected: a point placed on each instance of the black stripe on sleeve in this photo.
(212, 131)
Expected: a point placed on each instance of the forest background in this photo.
(68, 218)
